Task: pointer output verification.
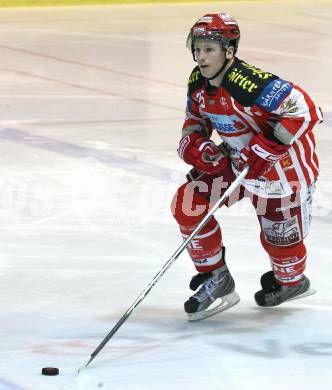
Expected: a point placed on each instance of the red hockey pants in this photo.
(284, 223)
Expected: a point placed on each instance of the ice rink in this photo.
(92, 103)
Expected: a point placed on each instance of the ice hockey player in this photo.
(265, 123)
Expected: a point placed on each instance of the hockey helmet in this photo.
(221, 27)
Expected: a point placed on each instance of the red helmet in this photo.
(218, 27)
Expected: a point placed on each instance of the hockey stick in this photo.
(165, 267)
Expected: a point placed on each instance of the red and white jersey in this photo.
(251, 101)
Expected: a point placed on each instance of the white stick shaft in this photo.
(167, 265)
(186, 242)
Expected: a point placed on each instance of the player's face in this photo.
(210, 57)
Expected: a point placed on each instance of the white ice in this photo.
(92, 102)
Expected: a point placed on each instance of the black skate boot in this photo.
(216, 294)
(272, 294)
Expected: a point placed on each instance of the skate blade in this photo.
(305, 294)
(226, 302)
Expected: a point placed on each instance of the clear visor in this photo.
(206, 36)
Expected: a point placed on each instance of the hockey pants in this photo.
(284, 223)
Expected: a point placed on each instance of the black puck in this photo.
(50, 371)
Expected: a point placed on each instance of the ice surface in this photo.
(92, 103)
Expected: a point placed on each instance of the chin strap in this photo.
(219, 71)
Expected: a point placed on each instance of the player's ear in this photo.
(230, 52)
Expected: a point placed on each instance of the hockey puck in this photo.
(50, 371)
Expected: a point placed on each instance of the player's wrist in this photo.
(267, 149)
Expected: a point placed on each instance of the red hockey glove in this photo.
(260, 155)
(202, 153)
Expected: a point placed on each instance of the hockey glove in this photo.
(260, 155)
(202, 153)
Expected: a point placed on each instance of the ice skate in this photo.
(272, 294)
(217, 294)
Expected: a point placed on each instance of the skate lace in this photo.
(206, 291)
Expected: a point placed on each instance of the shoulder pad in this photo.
(196, 80)
(273, 94)
(245, 82)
